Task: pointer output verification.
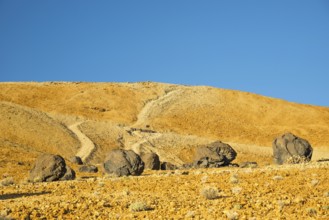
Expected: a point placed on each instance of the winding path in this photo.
(86, 145)
(154, 105)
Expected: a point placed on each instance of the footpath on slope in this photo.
(87, 146)
(144, 139)
(153, 105)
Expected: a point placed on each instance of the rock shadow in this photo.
(19, 195)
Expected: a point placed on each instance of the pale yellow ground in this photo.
(286, 192)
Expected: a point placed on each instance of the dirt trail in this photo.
(87, 146)
(154, 106)
(145, 145)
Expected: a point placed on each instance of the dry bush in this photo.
(209, 192)
(232, 215)
(234, 178)
(236, 190)
(297, 160)
(7, 181)
(139, 206)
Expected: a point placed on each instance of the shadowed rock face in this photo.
(151, 161)
(49, 167)
(123, 163)
(168, 166)
(76, 160)
(216, 154)
(290, 146)
(88, 169)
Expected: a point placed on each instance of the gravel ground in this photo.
(269, 192)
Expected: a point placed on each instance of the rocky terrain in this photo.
(88, 120)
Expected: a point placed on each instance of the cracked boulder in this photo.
(216, 154)
(49, 167)
(123, 163)
(289, 148)
(151, 161)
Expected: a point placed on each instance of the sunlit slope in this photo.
(207, 112)
(241, 117)
(33, 131)
(109, 101)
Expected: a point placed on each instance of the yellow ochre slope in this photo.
(38, 116)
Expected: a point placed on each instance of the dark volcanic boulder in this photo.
(168, 166)
(151, 161)
(88, 169)
(69, 174)
(216, 154)
(123, 163)
(289, 148)
(49, 167)
(76, 160)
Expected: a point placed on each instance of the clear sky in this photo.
(277, 48)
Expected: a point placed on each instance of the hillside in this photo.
(89, 119)
(38, 117)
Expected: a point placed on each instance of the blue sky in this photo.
(275, 48)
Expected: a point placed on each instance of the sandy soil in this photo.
(270, 192)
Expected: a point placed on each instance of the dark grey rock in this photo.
(49, 167)
(88, 169)
(151, 161)
(216, 154)
(76, 160)
(123, 163)
(168, 166)
(289, 148)
(69, 174)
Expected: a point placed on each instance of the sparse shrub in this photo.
(190, 214)
(297, 159)
(315, 182)
(7, 181)
(277, 178)
(237, 206)
(326, 207)
(281, 204)
(101, 184)
(311, 211)
(231, 215)
(126, 192)
(234, 178)
(236, 190)
(204, 179)
(210, 192)
(139, 206)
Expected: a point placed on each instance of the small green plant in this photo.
(209, 192)
(139, 206)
